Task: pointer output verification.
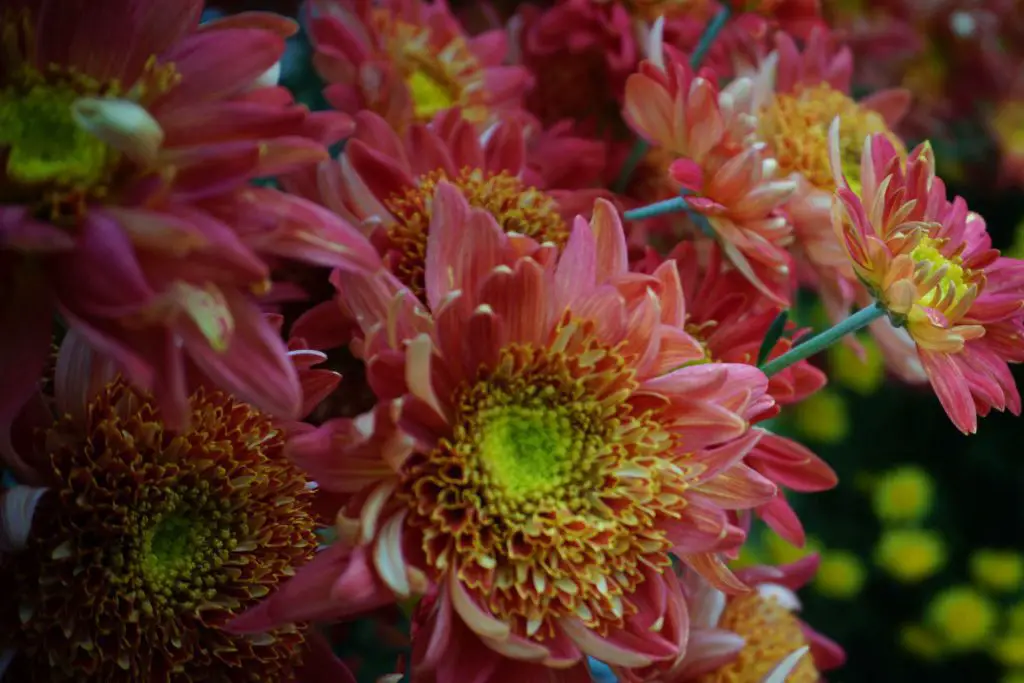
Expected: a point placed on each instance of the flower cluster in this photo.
(497, 334)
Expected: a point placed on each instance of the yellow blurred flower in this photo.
(903, 494)
(822, 417)
(910, 555)
(750, 556)
(997, 570)
(840, 575)
(862, 376)
(1008, 650)
(1013, 677)
(964, 616)
(1015, 617)
(920, 641)
(781, 551)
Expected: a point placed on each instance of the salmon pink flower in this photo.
(928, 262)
(558, 443)
(408, 60)
(198, 523)
(796, 97)
(731, 319)
(728, 181)
(385, 183)
(741, 638)
(128, 135)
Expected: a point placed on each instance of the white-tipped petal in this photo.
(269, 78)
(785, 667)
(17, 506)
(124, 125)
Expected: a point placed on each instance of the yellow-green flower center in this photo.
(795, 126)
(526, 451)
(945, 274)
(429, 95)
(43, 142)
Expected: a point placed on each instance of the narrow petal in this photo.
(17, 507)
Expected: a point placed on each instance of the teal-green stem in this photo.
(640, 147)
(819, 342)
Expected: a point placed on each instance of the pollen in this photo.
(516, 207)
(771, 632)
(795, 126)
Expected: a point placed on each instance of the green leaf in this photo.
(773, 334)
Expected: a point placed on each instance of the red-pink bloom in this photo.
(796, 96)
(729, 181)
(929, 263)
(129, 139)
(384, 183)
(408, 60)
(594, 48)
(740, 638)
(108, 495)
(557, 443)
(731, 320)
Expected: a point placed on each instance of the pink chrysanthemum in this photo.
(384, 183)
(593, 45)
(731, 319)
(742, 638)
(408, 60)
(559, 442)
(796, 96)
(732, 183)
(128, 135)
(127, 545)
(929, 263)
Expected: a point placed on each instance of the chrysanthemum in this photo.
(741, 638)
(385, 183)
(560, 445)
(731, 319)
(929, 263)
(135, 544)
(796, 97)
(128, 136)
(593, 45)
(408, 60)
(731, 182)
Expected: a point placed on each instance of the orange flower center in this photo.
(772, 633)
(544, 498)
(438, 75)
(517, 208)
(158, 534)
(795, 126)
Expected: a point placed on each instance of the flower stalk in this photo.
(819, 342)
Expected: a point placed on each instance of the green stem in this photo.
(640, 147)
(656, 209)
(818, 342)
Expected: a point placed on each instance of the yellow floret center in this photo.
(526, 451)
(429, 95)
(43, 142)
(951, 280)
(771, 632)
(795, 126)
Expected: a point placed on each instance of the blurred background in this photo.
(922, 575)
